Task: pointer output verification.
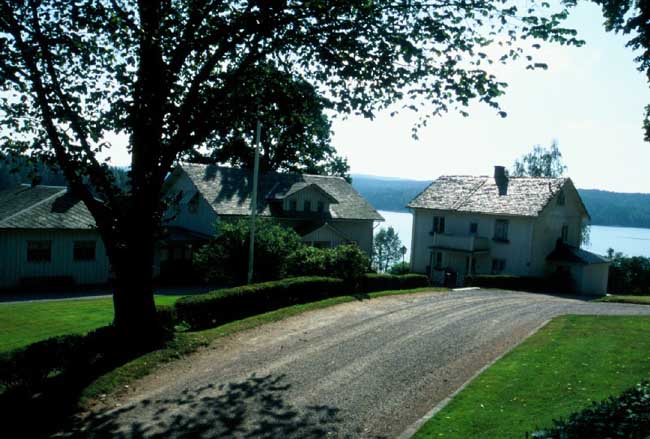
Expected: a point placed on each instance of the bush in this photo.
(400, 268)
(225, 258)
(385, 282)
(624, 416)
(223, 306)
(347, 262)
(520, 283)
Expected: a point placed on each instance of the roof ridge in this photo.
(38, 203)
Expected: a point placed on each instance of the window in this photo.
(498, 265)
(39, 251)
(293, 205)
(193, 204)
(501, 230)
(561, 198)
(438, 224)
(307, 206)
(321, 207)
(473, 228)
(83, 251)
(565, 233)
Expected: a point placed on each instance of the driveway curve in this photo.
(365, 369)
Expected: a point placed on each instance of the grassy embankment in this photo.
(569, 363)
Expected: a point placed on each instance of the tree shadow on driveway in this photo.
(253, 408)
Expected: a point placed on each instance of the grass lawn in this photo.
(639, 300)
(28, 322)
(565, 366)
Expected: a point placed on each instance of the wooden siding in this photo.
(14, 265)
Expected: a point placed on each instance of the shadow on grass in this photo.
(254, 408)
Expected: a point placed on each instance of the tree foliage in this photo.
(72, 72)
(347, 262)
(540, 162)
(630, 17)
(386, 249)
(225, 258)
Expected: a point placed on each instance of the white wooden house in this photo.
(464, 225)
(46, 236)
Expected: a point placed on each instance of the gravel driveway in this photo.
(362, 369)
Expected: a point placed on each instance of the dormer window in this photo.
(307, 206)
(561, 198)
(321, 207)
(293, 205)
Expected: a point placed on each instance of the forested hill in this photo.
(616, 208)
(606, 208)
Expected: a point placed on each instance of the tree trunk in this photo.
(132, 263)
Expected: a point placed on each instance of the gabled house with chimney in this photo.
(523, 226)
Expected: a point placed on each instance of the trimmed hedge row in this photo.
(623, 416)
(519, 283)
(223, 306)
(384, 282)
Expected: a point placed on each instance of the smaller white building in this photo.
(48, 237)
(523, 226)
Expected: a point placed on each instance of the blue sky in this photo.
(591, 99)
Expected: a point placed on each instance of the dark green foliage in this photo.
(386, 249)
(346, 262)
(383, 282)
(296, 132)
(225, 258)
(629, 275)
(222, 306)
(521, 283)
(400, 268)
(626, 416)
(166, 315)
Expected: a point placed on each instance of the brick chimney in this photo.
(501, 179)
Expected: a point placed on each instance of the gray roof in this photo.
(228, 190)
(42, 207)
(526, 196)
(567, 253)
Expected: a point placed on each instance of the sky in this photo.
(591, 100)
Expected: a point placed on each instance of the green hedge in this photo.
(624, 416)
(222, 306)
(519, 283)
(383, 282)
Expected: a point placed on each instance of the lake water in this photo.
(627, 240)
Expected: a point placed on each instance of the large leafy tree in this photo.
(72, 71)
(297, 132)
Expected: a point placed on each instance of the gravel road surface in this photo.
(366, 369)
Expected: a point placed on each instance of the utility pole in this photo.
(256, 170)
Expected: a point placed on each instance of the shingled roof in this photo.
(228, 190)
(42, 207)
(526, 196)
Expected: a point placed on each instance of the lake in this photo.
(627, 240)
